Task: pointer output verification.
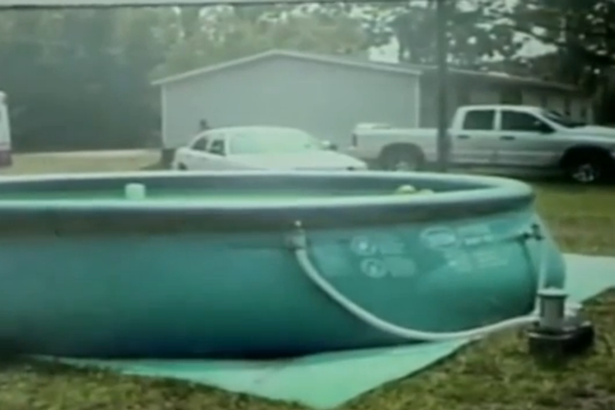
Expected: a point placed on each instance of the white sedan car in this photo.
(261, 148)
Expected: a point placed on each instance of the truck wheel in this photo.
(587, 167)
(401, 158)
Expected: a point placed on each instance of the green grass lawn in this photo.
(495, 374)
(581, 218)
(28, 164)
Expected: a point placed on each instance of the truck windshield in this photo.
(561, 120)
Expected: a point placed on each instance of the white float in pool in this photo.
(135, 191)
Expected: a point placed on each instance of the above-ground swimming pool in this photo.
(194, 264)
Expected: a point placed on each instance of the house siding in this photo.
(429, 102)
(327, 100)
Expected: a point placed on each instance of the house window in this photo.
(512, 96)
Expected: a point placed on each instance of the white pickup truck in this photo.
(496, 136)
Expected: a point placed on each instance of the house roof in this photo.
(410, 69)
(328, 59)
(505, 78)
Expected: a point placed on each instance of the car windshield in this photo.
(561, 119)
(262, 141)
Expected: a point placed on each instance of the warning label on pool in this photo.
(407, 253)
(377, 244)
(467, 248)
(363, 246)
(439, 238)
(383, 255)
(374, 268)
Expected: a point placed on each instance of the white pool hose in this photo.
(298, 243)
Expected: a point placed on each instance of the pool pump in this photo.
(558, 333)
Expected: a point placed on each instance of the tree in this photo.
(78, 78)
(472, 35)
(584, 34)
(225, 34)
(570, 26)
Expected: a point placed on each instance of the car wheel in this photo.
(402, 159)
(182, 167)
(586, 168)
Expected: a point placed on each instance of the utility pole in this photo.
(443, 144)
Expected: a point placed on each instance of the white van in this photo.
(5, 133)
